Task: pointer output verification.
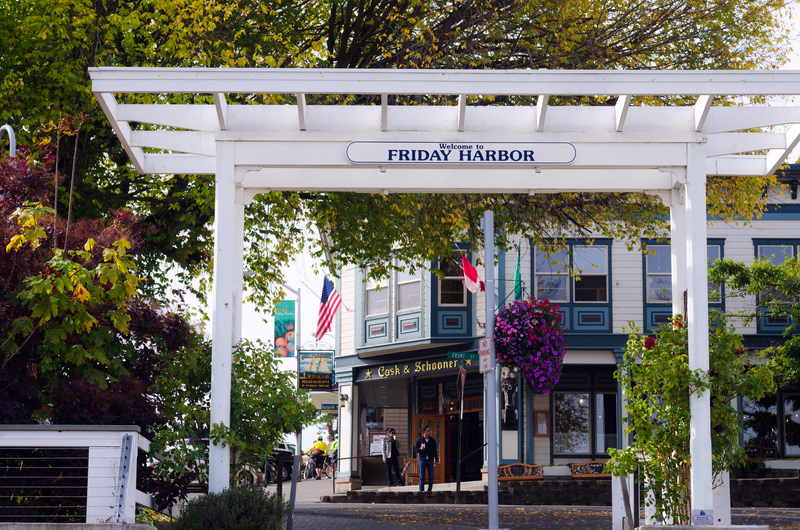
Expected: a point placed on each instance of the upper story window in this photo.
(589, 282)
(658, 272)
(409, 290)
(376, 297)
(452, 291)
(776, 252)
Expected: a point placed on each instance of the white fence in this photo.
(37, 483)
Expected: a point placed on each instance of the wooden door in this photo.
(439, 433)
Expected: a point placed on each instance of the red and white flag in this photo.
(471, 276)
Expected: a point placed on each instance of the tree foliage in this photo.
(50, 45)
(773, 290)
(657, 383)
(80, 345)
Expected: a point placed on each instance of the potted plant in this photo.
(529, 337)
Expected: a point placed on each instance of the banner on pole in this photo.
(284, 328)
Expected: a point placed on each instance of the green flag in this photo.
(517, 282)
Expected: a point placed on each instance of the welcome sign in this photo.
(471, 153)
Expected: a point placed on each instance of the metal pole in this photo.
(460, 423)
(297, 342)
(491, 384)
(12, 140)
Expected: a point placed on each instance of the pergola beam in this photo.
(444, 82)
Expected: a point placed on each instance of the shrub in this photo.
(237, 508)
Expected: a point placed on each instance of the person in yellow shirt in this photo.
(318, 452)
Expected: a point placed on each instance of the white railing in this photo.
(105, 470)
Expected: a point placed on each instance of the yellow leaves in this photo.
(81, 293)
(28, 217)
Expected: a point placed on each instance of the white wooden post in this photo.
(225, 247)
(677, 226)
(697, 304)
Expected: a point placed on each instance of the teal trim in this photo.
(529, 426)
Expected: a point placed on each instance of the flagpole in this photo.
(491, 383)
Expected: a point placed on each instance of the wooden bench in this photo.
(591, 469)
(757, 451)
(519, 471)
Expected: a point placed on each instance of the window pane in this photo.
(553, 288)
(590, 259)
(776, 254)
(590, 289)
(452, 292)
(544, 262)
(571, 423)
(760, 422)
(377, 301)
(408, 295)
(407, 276)
(791, 410)
(451, 266)
(713, 255)
(606, 420)
(660, 262)
(659, 288)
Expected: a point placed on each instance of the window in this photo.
(760, 423)
(590, 282)
(791, 414)
(591, 264)
(552, 276)
(573, 427)
(605, 421)
(409, 291)
(572, 412)
(658, 272)
(376, 297)
(776, 252)
(452, 291)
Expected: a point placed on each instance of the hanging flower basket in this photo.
(529, 336)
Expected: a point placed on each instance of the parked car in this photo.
(272, 463)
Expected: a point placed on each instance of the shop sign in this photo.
(461, 153)
(329, 408)
(316, 370)
(410, 368)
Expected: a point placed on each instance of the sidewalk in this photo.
(311, 514)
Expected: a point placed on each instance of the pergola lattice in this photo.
(253, 148)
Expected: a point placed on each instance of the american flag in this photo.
(328, 304)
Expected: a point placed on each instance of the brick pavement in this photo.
(310, 514)
(324, 516)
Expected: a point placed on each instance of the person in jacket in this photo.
(391, 452)
(318, 452)
(425, 448)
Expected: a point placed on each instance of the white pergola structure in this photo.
(382, 148)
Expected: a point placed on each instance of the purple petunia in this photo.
(529, 336)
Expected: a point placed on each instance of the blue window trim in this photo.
(573, 311)
(655, 313)
(438, 314)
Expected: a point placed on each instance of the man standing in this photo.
(391, 452)
(425, 448)
(318, 452)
